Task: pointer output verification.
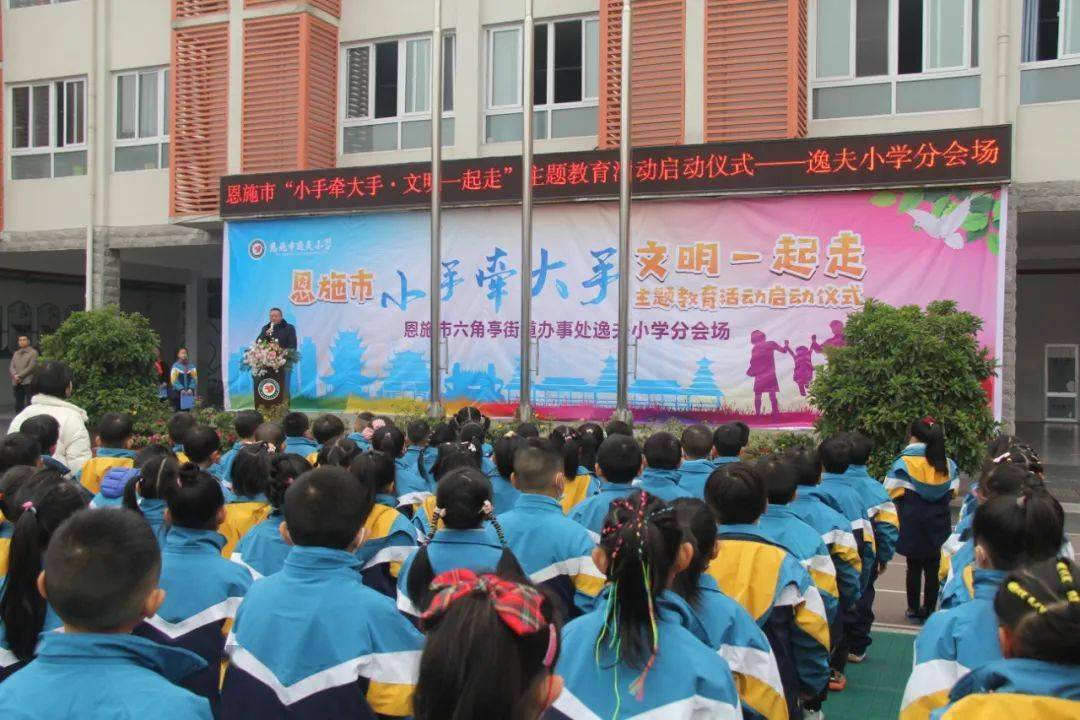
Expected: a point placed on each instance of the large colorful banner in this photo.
(733, 301)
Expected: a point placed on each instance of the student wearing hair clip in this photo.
(1007, 532)
(144, 493)
(458, 538)
(1038, 612)
(633, 655)
(491, 650)
(449, 457)
(922, 482)
(411, 489)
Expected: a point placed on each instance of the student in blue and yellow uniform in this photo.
(417, 436)
(298, 440)
(365, 660)
(769, 583)
(663, 456)
(723, 624)
(411, 489)
(145, 496)
(505, 493)
(729, 440)
(697, 444)
(618, 463)
(554, 551)
(632, 656)
(325, 428)
(458, 539)
(263, 549)
(1038, 610)
(45, 501)
(449, 457)
(391, 537)
(202, 446)
(921, 482)
(116, 479)
(579, 462)
(1007, 475)
(886, 527)
(475, 433)
(245, 422)
(782, 526)
(1007, 534)
(248, 505)
(491, 650)
(102, 579)
(177, 427)
(113, 450)
(11, 483)
(46, 429)
(202, 589)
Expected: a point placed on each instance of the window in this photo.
(566, 56)
(1051, 30)
(388, 95)
(30, 3)
(875, 57)
(142, 120)
(48, 129)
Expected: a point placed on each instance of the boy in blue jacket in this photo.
(663, 456)
(102, 580)
(311, 641)
(553, 550)
(245, 423)
(618, 463)
(697, 445)
(298, 434)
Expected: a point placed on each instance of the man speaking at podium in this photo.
(278, 329)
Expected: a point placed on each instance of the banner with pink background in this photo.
(733, 300)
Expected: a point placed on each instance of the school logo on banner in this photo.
(256, 249)
(269, 389)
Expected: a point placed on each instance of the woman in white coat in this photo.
(52, 387)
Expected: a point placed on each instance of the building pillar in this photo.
(1008, 346)
(105, 283)
(193, 298)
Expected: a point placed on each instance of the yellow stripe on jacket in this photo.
(378, 525)
(748, 573)
(810, 617)
(95, 468)
(5, 544)
(313, 459)
(575, 492)
(919, 470)
(1010, 706)
(239, 518)
(393, 699)
(921, 708)
(754, 691)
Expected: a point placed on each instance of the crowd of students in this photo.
(310, 571)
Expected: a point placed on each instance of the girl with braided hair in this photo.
(633, 654)
(262, 550)
(1038, 611)
(457, 539)
(449, 456)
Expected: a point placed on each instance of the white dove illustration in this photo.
(946, 227)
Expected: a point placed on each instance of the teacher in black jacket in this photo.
(278, 329)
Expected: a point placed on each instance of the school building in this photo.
(121, 116)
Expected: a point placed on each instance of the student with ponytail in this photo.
(249, 506)
(312, 641)
(262, 550)
(338, 451)
(202, 589)
(449, 457)
(11, 482)
(491, 650)
(506, 494)
(391, 537)
(1011, 478)
(922, 482)
(633, 655)
(24, 613)
(143, 492)
(459, 539)
(578, 448)
(411, 489)
(475, 433)
(1038, 612)
(723, 624)
(470, 415)
(1008, 532)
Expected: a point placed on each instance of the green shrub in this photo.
(901, 364)
(110, 354)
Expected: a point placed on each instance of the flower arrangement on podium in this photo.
(265, 357)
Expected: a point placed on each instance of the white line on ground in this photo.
(892, 627)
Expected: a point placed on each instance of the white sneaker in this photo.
(813, 715)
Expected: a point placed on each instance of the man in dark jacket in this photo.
(278, 329)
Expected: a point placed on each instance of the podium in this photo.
(271, 391)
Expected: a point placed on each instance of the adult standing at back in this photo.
(278, 329)
(52, 386)
(23, 363)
